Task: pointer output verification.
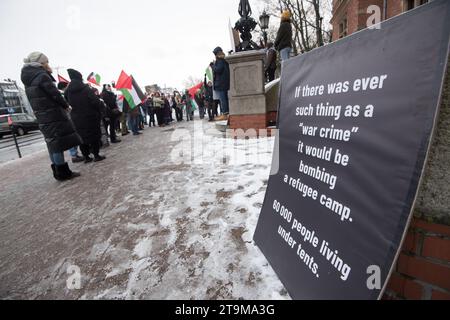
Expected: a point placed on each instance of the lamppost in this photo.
(264, 24)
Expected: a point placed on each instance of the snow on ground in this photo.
(169, 215)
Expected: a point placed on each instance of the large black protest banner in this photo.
(356, 119)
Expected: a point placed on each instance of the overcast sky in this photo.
(158, 41)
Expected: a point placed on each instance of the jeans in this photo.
(285, 53)
(223, 97)
(57, 158)
(73, 152)
(133, 123)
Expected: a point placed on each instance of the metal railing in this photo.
(14, 141)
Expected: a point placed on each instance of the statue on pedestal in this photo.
(245, 25)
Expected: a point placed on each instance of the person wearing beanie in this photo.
(283, 42)
(86, 115)
(51, 111)
(221, 73)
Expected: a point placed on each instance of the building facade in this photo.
(13, 99)
(350, 16)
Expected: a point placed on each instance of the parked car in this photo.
(22, 123)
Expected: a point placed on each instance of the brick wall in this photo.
(394, 8)
(254, 121)
(423, 267)
(356, 12)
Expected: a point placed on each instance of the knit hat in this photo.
(36, 57)
(286, 15)
(74, 74)
(217, 50)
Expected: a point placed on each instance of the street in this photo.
(28, 144)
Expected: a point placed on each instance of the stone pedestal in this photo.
(247, 94)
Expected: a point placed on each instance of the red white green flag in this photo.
(130, 90)
(94, 78)
(62, 79)
(209, 74)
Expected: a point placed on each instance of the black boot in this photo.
(99, 158)
(55, 175)
(64, 173)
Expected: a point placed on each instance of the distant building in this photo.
(13, 99)
(152, 89)
(350, 16)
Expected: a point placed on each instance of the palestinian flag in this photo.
(62, 79)
(209, 75)
(194, 105)
(94, 79)
(130, 90)
(195, 89)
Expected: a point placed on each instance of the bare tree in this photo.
(310, 21)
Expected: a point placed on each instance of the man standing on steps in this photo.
(221, 71)
(283, 42)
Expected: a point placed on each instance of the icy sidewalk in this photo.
(169, 215)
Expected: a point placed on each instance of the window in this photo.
(343, 28)
(411, 4)
(3, 119)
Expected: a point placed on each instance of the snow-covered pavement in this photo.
(169, 215)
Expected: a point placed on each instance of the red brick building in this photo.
(350, 16)
(423, 268)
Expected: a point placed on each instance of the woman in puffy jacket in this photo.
(51, 111)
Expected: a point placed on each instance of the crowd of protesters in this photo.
(75, 115)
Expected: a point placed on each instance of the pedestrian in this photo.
(209, 99)
(104, 119)
(112, 111)
(158, 105)
(124, 118)
(133, 118)
(51, 111)
(187, 100)
(166, 110)
(221, 71)
(151, 111)
(62, 86)
(178, 107)
(201, 104)
(86, 115)
(270, 63)
(283, 42)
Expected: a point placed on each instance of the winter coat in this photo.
(86, 111)
(157, 102)
(221, 71)
(284, 36)
(110, 100)
(50, 109)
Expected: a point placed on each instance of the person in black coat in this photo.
(209, 98)
(112, 111)
(51, 111)
(86, 115)
(283, 42)
(221, 71)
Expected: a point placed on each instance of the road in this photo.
(28, 144)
